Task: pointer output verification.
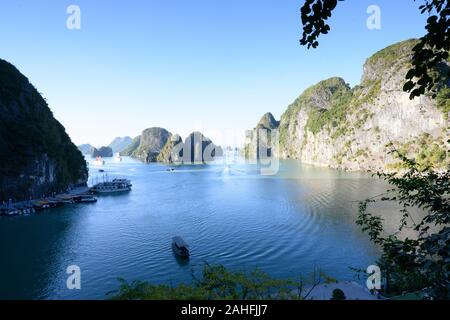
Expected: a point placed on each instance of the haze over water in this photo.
(287, 225)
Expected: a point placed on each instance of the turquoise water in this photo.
(289, 224)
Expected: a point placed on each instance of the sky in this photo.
(211, 65)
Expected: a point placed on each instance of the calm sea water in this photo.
(287, 225)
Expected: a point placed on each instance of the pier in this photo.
(75, 195)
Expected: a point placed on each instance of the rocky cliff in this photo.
(36, 155)
(199, 149)
(172, 152)
(85, 148)
(104, 152)
(152, 141)
(261, 136)
(119, 144)
(333, 125)
(159, 145)
(128, 151)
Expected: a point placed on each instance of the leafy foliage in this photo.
(218, 283)
(443, 100)
(314, 14)
(432, 49)
(422, 262)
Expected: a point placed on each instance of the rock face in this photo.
(37, 156)
(336, 126)
(152, 141)
(172, 152)
(104, 152)
(199, 149)
(128, 151)
(119, 144)
(85, 148)
(259, 143)
(268, 122)
(159, 145)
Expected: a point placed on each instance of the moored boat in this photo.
(98, 161)
(85, 199)
(114, 186)
(117, 157)
(180, 247)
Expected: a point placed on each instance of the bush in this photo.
(338, 294)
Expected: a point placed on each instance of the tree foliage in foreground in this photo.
(428, 55)
(218, 283)
(421, 263)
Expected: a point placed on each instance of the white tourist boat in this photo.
(117, 157)
(98, 161)
(114, 186)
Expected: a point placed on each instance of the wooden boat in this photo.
(180, 247)
(85, 199)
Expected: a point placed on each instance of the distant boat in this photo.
(117, 157)
(101, 170)
(98, 161)
(180, 247)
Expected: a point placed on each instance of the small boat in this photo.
(98, 161)
(12, 212)
(180, 247)
(85, 199)
(117, 157)
(101, 170)
(170, 169)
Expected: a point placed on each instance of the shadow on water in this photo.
(182, 262)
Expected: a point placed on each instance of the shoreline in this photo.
(10, 208)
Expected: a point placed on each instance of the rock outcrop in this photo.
(336, 126)
(259, 140)
(119, 144)
(104, 152)
(37, 156)
(199, 149)
(128, 151)
(172, 152)
(85, 148)
(152, 141)
(159, 145)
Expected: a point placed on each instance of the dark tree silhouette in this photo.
(433, 48)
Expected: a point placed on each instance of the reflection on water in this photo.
(288, 224)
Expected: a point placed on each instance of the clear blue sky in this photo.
(214, 65)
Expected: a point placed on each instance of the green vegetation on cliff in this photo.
(443, 101)
(128, 151)
(325, 104)
(335, 114)
(317, 126)
(36, 153)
